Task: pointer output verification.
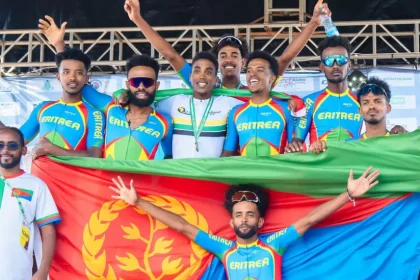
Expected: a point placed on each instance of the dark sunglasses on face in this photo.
(339, 59)
(11, 146)
(136, 81)
(375, 89)
(245, 195)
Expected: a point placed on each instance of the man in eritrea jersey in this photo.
(135, 132)
(230, 51)
(249, 257)
(332, 113)
(374, 98)
(263, 125)
(69, 126)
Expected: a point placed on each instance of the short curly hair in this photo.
(233, 42)
(334, 41)
(208, 56)
(274, 65)
(262, 205)
(380, 83)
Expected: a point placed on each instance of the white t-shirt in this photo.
(40, 210)
(212, 137)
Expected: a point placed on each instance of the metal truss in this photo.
(374, 43)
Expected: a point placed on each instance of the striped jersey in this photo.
(212, 137)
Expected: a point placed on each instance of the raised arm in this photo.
(300, 41)
(132, 7)
(355, 188)
(54, 34)
(170, 219)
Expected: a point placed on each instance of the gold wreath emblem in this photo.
(94, 233)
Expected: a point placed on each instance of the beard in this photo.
(141, 102)
(15, 161)
(374, 121)
(252, 231)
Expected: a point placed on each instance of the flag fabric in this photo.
(100, 238)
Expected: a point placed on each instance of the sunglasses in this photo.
(366, 88)
(11, 146)
(136, 81)
(331, 59)
(230, 39)
(247, 195)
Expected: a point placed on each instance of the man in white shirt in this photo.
(25, 203)
(209, 113)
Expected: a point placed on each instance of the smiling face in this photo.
(203, 76)
(335, 74)
(230, 61)
(72, 76)
(11, 149)
(259, 76)
(246, 219)
(143, 94)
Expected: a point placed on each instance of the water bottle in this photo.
(329, 26)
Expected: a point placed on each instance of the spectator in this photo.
(25, 202)
(69, 126)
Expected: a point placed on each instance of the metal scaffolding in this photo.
(373, 42)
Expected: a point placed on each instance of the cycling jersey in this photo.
(260, 129)
(330, 116)
(123, 143)
(259, 260)
(212, 137)
(72, 126)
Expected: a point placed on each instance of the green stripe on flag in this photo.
(208, 128)
(397, 156)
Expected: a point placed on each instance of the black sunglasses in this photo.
(137, 81)
(11, 146)
(366, 88)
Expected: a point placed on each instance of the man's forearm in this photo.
(58, 151)
(170, 219)
(321, 212)
(296, 46)
(48, 247)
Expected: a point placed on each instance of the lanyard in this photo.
(17, 199)
(197, 131)
(237, 87)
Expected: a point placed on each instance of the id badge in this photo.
(25, 235)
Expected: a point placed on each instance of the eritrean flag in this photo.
(104, 239)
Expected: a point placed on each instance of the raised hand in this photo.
(360, 186)
(129, 195)
(132, 8)
(54, 34)
(320, 9)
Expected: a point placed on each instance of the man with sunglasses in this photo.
(136, 131)
(250, 256)
(69, 126)
(374, 98)
(26, 206)
(332, 113)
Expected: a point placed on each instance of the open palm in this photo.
(358, 187)
(54, 34)
(129, 195)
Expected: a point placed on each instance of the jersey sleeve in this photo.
(98, 100)
(232, 137)
(304, 123)
(30, 128)
(184, 73)
(167, 140)
(165, 105)
(96, 128)
(46, 210)
(291, 126)
(214, 244)
(280, 240)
